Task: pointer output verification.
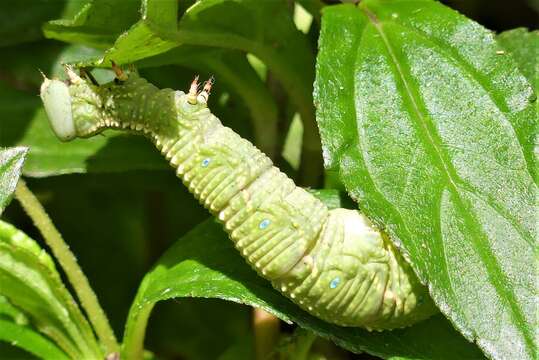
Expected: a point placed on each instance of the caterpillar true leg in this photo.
(334, 264)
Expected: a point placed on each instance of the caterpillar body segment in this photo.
(333, 263)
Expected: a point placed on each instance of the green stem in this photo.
(133, 347)
(68, 262)
(304, 342)
(266, 333)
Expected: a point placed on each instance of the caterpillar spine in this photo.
(332, 263)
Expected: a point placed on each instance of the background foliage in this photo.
(120, 206)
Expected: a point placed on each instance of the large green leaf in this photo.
(204, 263)
(523, 46)
(29, 280)
(431, 132)
(11, 161)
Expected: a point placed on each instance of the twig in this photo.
(68, 262)
(266, 333)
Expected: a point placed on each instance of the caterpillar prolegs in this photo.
(332, 263)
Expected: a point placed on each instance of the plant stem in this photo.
(135, 331)
(266, 333)
(304, 342)
(68, 262)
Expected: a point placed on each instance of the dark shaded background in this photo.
(499, 15)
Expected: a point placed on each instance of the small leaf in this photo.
(29, 280)
(11, 312)
(16, 330)
(11, 161)
(97, 24)
(29, 340)
(431, 131)
(205, 264)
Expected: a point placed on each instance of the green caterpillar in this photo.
(332, 263)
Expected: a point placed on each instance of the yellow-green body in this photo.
(333, 263)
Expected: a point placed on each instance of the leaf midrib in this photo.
(480, 241)
(469, 71)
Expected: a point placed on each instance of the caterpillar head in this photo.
(72, 105)
(57, 102)
(80, 107)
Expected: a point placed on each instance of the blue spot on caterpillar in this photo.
(205, 162)
(302, 249)
(264, 224)
(334, 283)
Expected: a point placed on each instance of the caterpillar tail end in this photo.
(57, 101)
